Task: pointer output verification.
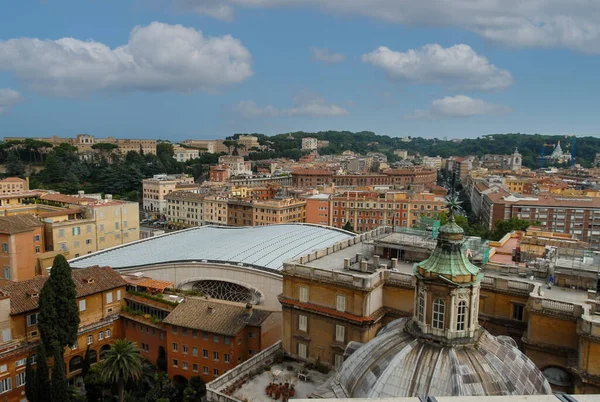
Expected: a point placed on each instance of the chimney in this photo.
(376, 260)
(211, 309)
(363, 266)
(394, 263)
(358, 257)
(346, 263)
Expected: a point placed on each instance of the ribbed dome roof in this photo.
(396, 364)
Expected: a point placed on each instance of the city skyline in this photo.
(203, 69)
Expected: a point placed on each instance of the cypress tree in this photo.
(60, 387)
(43, 388)
(59, 316)
(30, 382)
(86, 362)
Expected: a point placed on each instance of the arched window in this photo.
(461, 316)
(439, 308)
(421, 308)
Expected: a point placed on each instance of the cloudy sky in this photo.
(177, 69)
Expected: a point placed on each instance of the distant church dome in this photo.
(441, 350)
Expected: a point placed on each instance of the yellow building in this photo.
(155, 190)
(215, 210)
(184, 209)
(278, 211)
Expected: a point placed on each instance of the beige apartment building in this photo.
(215, 210)
(278, 211)
(155, 190)
(247, 142)
(185, 154)
(210, 146)
(185, 209)
(89, 225)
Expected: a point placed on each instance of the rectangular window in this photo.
(205, 336)
(6, 336)
(439, 309)
(340, 333)
(100, 335)
(107, 333)
(250, 334)
(205, 353)
(21, 362)
(226, 340)
(82, 305)
(302, 323)
(184, 349)
(32, 319)
(340, 303)
(6, 272)
(118, 295)
(518, 311)
(421, 308)
(184, 365)
(216, 338)
(90, 339)
(109, 298)
(74, 346)
(175, 363)
(36, 238)
(195, 351)
(116, 225)
(3, 368)
(5, 247)
(20, 379)
(205, 370)
(174, 347)
(195, 368)
(302, 350)
(215, 372)
(338, 361)
(461, 316)
(227, 358)
(194, 333)
(303, 294)
(76, 231)
(61, 233)
(174, 329)
(88, 241)
(5, 385)
(215, 355)
(37, 249)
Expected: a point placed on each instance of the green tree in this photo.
(95, 385)
(162, 388)
(43, 387)
(506, 226)
(59, 315)
(87, 362)
(60, 386)
(30, 382)
(194, 390)
(122, 363)
(348, 226)
(14, 165)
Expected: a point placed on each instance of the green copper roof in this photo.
(449, 260)
(451, 227)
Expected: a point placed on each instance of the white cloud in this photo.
(307, 104)
(8, 98)
(458, 66)
(573, 24)
(326, 56)
(458, 106)
(157, 57)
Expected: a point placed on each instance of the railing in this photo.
(213, 393)
(519, 285)
(558, 306)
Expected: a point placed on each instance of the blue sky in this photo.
(177, 69)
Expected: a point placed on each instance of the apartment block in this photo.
(22, 239)
(310, 178)
(185, 209)
(215, 210)
(209, 146)
(207, 338)
(100, 291)
(154, 190)
(367, 210)
(219, 173)
(185, 154)
(236, 164)
(278, 211)
(309, 143)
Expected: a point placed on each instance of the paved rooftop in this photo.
(263, 246)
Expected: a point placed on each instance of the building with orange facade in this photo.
(367, 210)
(219, 173)
(100, 292)
(22, 239)
(309, 178)
(278, 211)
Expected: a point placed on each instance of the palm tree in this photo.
(122, 363)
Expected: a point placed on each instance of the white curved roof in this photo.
(261, 246)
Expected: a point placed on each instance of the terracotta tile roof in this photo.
(87, 281)
(224, 318)
(18, 223)
(156, 284)
(326, 310)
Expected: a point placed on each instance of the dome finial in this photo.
(452, 202)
